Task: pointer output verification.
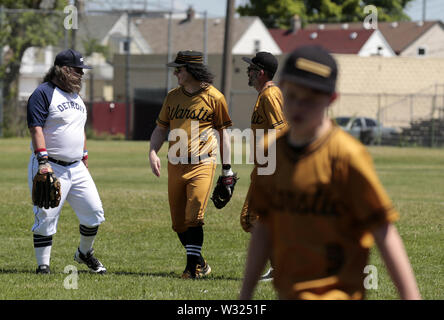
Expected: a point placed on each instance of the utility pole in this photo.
(227, 57)
(127, 73)
(1, 78)
(424, 5)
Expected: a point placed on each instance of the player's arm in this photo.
(397, 262)
(85, 154)
(259, 251)
(156, 141)
(225, 146)
(37, 137)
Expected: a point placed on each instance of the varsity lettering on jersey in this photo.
(197, 114)
(62, 116)
(321, 205)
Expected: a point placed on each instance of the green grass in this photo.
(144, 256)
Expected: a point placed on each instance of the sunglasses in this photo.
(177, 69)
(253, 69)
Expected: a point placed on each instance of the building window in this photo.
(257, 46)
(422, 51)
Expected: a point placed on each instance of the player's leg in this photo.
(45, 220)
(200, 182)
(247, 217)
(85, 201)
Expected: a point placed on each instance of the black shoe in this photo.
(43, 269)
(92, 262)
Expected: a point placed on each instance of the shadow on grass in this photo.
(123, 273)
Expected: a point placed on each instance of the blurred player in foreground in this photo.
(321, 210)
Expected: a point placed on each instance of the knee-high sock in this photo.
(42, 248)
(87, 237)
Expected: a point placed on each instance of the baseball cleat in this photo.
(92, 262)
(43, 269)
(203, 271)
(187, 274)
(268, 276)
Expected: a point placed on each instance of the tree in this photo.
(278, 13)
(24, 24)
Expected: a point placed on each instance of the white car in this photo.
(368, 130)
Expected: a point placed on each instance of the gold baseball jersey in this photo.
(321, 205)
(196, 114)
(267, 114)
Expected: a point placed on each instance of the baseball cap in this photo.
(187, 57)
(311, 66)
(70, 58)
(263, 60)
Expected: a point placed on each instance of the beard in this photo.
(68, 80)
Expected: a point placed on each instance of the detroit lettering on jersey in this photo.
(62, 117)
(70, 105)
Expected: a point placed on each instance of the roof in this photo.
(94, 27)
(399, 35)
(190, 34)
(336, 41)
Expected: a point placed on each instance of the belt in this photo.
(60, 162)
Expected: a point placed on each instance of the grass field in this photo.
(144, 256)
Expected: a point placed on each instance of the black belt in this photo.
(60, 162)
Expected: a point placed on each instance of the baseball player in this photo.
(267, 114)
(197, 113)
(56, 118)
(321, 210)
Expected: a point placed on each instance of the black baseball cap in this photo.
(263, 60)
(187, 57)
(313, 67)
(70, 58)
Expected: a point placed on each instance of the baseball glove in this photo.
(224, 190)
(46, 188)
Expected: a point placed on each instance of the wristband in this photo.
(85, 155)
(41, 153)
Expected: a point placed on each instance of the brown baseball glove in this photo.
(46, 188)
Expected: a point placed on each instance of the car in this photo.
(368, 130)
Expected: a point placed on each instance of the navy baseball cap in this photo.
(263, 60)
(187, 57)
(313, 67)
(70, 58)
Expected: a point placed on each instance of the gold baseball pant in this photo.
(247, 217)
(189, 187)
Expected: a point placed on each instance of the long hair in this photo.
(64, 77)
(200, 72)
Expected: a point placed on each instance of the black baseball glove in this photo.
(46, 188)
(224, 190)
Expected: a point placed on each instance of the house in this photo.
(108, 30)
(249, 35)
(361, 42)
(407, 38)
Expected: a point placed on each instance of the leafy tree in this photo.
(278, 13)
(24, 24)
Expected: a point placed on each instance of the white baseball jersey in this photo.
(62, 116)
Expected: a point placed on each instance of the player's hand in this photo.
(85, 162)
(155, 163)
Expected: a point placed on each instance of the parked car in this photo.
(368, 130)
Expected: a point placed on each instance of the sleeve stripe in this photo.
(162, 123)
(274, 125)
